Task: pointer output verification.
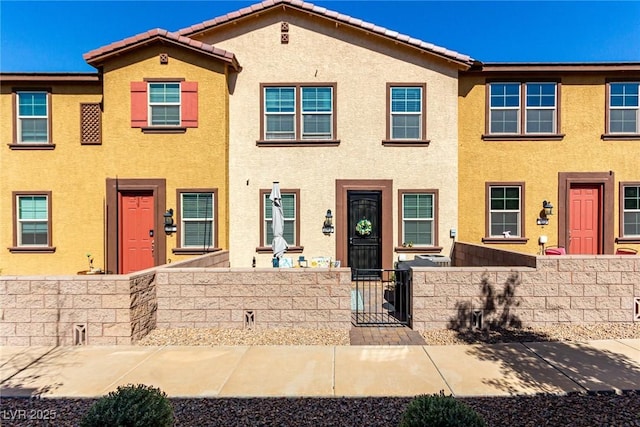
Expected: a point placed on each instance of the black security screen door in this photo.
(364, 229)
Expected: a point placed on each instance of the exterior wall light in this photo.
(169, 226)
(547, 210)
(327, 226)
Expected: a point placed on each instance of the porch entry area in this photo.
(134, 210)
(381, 297)
(586, 212)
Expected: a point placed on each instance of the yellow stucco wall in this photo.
(538, 163)
(77, 174)
(360, 65)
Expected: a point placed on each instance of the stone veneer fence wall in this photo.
(204, 292)
(556, 289)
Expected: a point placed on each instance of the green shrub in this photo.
(438, 410)
(131, 406)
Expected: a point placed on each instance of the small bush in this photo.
(131, 406)
(438, 410)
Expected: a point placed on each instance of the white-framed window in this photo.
(631, 211)
(197, 217)
(406, 112)
(280, 112)
(33, 227)
(505, 211)
(317, 112)
(290, 211)
(508, 114)
(418, 219)
(624, 107)
(164, 104)
(298, 112)
(33, 117)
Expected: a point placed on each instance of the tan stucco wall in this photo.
(76, 174)
(537, 163)
(361, 66)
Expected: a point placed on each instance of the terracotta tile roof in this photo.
(98, 56)
(336, 16)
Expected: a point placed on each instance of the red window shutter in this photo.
(189, 104)
(138, 104)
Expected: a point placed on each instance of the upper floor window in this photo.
(290, 208)
(624, 109)
(523, 108)
(406, 112)
(197, 220)
(164, 104)
(631, 211)
(33, 117)
(505, 211)
(418, 219)
(298, 112)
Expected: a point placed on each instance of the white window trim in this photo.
(624, 211)
(519, 211)
(20, 117)
(20, 221)
(408, 113)
(623, 108)
(184, 220)
(267, 220)
(280, 136)
(554, 108)
(309, 135)
(430, 220)
(150, 104)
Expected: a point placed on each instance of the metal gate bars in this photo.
(382, 297)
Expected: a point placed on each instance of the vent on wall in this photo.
(90, 123)
(80, 334)
(249, 319)
(476, 319)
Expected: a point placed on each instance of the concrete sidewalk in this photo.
(325, 371)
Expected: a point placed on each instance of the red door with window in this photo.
(136, 231)
(585, 216)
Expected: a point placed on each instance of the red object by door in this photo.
(136, 229)
(585, 216)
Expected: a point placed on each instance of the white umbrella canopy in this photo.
(279, 244)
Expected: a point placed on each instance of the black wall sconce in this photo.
(169, 226)
(327, 226)
(547, 210)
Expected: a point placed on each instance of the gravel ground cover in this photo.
(528, 411)
(579, 410)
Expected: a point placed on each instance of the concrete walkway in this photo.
(325, 371)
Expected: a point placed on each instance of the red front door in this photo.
(136, 231)
(585, 216)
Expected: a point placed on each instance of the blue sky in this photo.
(43, 36)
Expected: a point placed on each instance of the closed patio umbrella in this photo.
(279, 244)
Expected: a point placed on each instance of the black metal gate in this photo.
(381, 297)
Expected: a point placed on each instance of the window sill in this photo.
(90, 142)
(523, 137)
(406, 142)
(25, 146)
(503, 240)
(620, 136)
(32, 249)
(627, 239)
(418, 249)
(163, 129)
(269, 249)
(194, 251)
(298, 143)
